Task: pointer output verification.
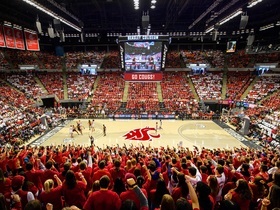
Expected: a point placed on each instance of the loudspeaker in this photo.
(250, 39)
(57, 24)
(243, 21)
(38, 26)
(145, 20)
(214, 35)
(51, 32)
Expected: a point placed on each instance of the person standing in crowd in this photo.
(52, 194)
(242, 194)
(73, 190)
(103, 198)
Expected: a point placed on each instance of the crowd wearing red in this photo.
(165, 178)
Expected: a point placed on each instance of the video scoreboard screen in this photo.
(143, 56)
(143, 53)
(88, 69)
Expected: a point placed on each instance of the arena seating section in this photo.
(142, 97)
(21, 120)
(105, 92)
(208, 86)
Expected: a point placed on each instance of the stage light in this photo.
(153, 7)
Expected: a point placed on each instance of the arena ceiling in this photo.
(119, 16)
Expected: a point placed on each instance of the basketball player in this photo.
(156, 127)
(75, 129)
(104, 130)
(89, 125)
(79, 127)
(71, 131)
(92, 126)
(160, 124)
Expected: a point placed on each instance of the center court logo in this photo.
(141, 134)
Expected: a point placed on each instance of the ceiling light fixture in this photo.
(253, 3)
(209, 29)
(52, 14)
(231, 16)
(216, 3)
(267, 27)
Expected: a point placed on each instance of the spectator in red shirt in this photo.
(242, 194)
(157, 194)
(52, 194)
(117, 171)
(101, 172)
(73, 190)
(25, 196)
(5, 183)
(103, 198)
(34, 175)
(129, 194)
(49, 172)
(181, 190)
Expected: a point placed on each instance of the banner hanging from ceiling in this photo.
(2, 39)
(19, 39)
(31, 40)
(9, 36)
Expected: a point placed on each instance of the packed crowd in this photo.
(73, 59)
(4, 64)
(20, 120)
(111, 60)
(26, 83)
(142, 97)
(264, 86)
(237, 83)
(47, 60)
(79, 87)
(241, 60)
(138, 177)
(108, 94)
(208, 86)
(176, 92)
(173, 59)
(215, 58)
(53, 82)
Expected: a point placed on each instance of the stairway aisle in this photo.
(159, 92)
(249, 88)
(189, 81)
(38, 81)
(65, 88)
(125, 92)
(224, 87)
(94, 88)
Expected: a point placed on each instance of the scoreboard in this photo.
(143, 56)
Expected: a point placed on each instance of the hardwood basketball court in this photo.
(201, 133)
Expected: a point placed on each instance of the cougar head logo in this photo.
(141, 134)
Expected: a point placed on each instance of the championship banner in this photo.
(2, 39)
(31, 40)
(19, 39)
(143, 76)
(9, 36)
